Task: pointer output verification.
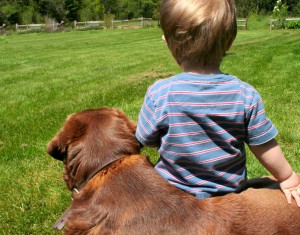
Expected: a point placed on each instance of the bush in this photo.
(279, 13)
(296, 9)
(292, 25)
(51, 25)
(107, 20)
(257, 22)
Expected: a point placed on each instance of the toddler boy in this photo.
(201, 118)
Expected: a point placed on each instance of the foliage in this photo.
(10, 13)
(36, 11)
(73, 8)
(30, 15)
(280, 10)
(292, 25)
(296, 9)
(246, 8)
(54, 9)
(258, 22)
(107, 20)
(91, 10)
(50, 25)
(280, 13)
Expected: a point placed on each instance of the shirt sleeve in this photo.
(147, 132)
(259, 128)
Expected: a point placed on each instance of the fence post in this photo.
(3, 29)
(270, 23)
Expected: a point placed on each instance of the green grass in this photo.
(44, 77)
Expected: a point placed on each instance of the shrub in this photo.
(50, 25)
(107, 20)
(279, 13)
(292, 25)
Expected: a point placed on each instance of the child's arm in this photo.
(272, 158)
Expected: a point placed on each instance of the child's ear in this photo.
(164, 39)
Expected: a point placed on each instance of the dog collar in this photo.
(61, 222)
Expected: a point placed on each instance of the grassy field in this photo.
(44, 77)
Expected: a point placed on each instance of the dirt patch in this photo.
(154, 74)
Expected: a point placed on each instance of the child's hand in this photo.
(291, 188)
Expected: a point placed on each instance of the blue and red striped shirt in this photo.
(200, 124)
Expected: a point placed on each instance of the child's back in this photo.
(201, 119)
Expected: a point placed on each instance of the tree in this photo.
(148, 8)
(296, 9)
(111, 6)
(248, 7)
(35, 11)
(54, 9)
(73, 9)
(91, 10)
(129, 9)
(245, 7)
(10, 13)
(30, 14)
(293, 5)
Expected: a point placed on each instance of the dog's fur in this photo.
(120, 192)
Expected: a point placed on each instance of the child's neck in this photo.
(206, 69)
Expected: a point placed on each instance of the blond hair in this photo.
(198, 32)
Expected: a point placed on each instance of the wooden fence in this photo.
(28, 27)
(274, 23)
(39, 27)
(242, 23)
(88, 24)
(133, 23)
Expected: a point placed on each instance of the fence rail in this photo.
(88, 24)
(133, 23)
(275, 23)
(140, 22)
(242, 23)
(42, 27)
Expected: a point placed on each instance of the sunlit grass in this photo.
(45, 77)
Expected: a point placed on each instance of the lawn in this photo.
(44, 77)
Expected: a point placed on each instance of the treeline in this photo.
(265, 7)
(37, 11)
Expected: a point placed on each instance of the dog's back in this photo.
(131, 198)
(120, 192)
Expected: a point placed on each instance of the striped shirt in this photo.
(200, 124)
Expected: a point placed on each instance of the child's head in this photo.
(198, 32)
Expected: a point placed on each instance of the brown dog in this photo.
(119, 192)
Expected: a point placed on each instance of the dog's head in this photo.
(91, 139)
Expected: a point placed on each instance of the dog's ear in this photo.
(57, 148)
(71, 132)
